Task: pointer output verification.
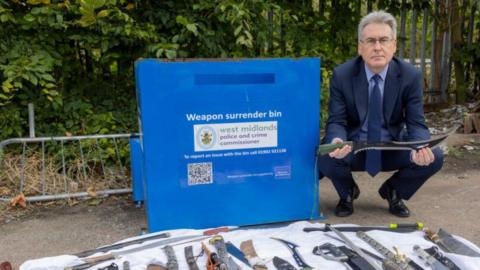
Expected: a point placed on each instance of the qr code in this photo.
(200, 173)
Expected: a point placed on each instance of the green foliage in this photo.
(75, 59)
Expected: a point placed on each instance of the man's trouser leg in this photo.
(409, 177)
(406, 181)
(339, 171)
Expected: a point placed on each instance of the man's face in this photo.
(377, 46)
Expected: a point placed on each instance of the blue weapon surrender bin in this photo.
(228, 142)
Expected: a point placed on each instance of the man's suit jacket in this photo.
(402, 102)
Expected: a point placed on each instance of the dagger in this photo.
(293, 249)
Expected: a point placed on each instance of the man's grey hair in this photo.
(378, 17)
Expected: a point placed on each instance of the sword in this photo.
(354, 247)
(392, 227)
(87, 253)
(358, 146)
(91, 261)
(396, 259)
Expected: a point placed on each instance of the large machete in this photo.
(358, 146)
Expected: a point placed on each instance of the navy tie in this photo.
(373, 162)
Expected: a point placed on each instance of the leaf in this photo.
(53, 93)
(29, 18)
(7, 86)
(48, 77)
(170, 54)
(20, 200)
(237, 30)
(104, 131)
(38, 2)
(159, 53)
(4, 191)
(95, 201)
(33, 79)
(4, 18)
(93, 3)
(240, 40)
(103, 13)
(192, 28)
(91, 192)
(175, 39)
(181, 20)
(86, 20)
(247, 33)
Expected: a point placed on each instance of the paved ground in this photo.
(449, 200)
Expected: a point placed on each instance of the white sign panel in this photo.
(229, 136)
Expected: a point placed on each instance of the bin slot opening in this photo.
(244, 78)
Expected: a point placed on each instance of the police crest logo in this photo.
(206, 137)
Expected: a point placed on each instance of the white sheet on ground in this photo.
(266, 248)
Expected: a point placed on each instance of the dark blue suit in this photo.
(403, 118)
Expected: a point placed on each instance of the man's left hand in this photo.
(423, 157)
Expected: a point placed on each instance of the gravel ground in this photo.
(449, 200)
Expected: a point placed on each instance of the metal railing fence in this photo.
(50, 168)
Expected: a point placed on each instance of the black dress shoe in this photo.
(396, 206)
(344, 207)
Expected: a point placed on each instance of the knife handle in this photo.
(327, 148)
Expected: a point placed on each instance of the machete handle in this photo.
(89, 262)
(327, 148)
(312, 229)
(214, 239)
(416, 226)
(216, 231)
(99, 258)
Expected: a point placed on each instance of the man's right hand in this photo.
(341, 152)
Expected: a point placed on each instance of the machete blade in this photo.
(455, 246)
(236, 252)
(281, 264)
